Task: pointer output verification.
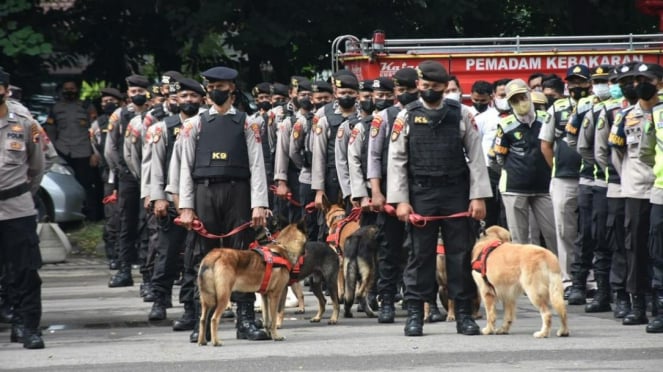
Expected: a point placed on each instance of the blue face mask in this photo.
(616, 91)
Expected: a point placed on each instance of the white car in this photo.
(60, 197)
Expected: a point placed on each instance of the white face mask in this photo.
(502, 104)
(601, 90)
(453, 96)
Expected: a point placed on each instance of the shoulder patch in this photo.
(296, 130)
(375, 125)
(601, 122)
(255, 127)
(34, 132)
(339, 133)
(157, 134)
(354, 134)
(396, 130)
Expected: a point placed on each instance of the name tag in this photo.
(219, 156)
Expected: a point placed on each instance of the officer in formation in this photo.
(428, 173)
(21, 170)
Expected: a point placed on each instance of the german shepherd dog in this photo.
(224, 270)
(320, 263)
(511, 269)
(360, 265)
(443, 293)
(336, 213)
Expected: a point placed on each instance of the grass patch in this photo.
(85, 237)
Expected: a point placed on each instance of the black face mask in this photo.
(551, 100)
(407, 97)
(381, 104)
(579, 92)
(320, 105)
(139, 99)
(219, 97)
(264, 105)
(189, 109)
(347, 102)
(645, 90)
(69, 95)
(629, 92)
(173, 108)
(109, 108)
(480, 107)
(431, 96)
(367, 105)
(306, 104)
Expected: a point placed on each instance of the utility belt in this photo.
(220, 179)
(15, 191)
(446, 179)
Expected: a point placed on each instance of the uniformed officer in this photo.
(322, 94)
(525, 176)
(565, 172)
(111, 99)
(21, 171)
(651, 152)
(392, 231)
(128, 186)
(637, 181)
(222, 179)
(68, 126)
(263, 96)
(436, 167)
(162, 137)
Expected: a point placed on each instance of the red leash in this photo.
(110, 199)
(198, 227)
(288, 196)
(421, 221)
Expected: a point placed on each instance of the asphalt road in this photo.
(90, 327)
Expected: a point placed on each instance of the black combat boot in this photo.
(465, 323)
(414, 324)
(435, 313)
(601, 301)
(656, 325)
(622, 304)
(578, 293)
(147, 292)
(32, 339)
(18, 333)
(387, 311)
(246, 323)
(159, 306)
(193, 338)
(122, 278)
(6, 313)
(638, 314)
(188, 319)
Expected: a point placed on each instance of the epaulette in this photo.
(561, 104)
(584, 104)
(598, 106)
(508, 123)
(413, 105)
(613, 103)
(543, 115)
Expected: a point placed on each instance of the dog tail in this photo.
(206, 285)
(351, 269)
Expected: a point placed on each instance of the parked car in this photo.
(60, 197)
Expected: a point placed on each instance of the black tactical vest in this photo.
(527, 169)
(435, 147)
(125, 118)
(266, 150)
(567, 160)
(173, 126)
(221, 151)
(158, 113)
(305, 151)
(366, 123)
(588, 168)
(102, 122)
(334, 121)
(392, 112)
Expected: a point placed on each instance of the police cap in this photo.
(627, 69)
(383, 84)
(170, 76)
(346, 81)
(321, 86)
(538, 98)
(137, 81)
(406, 77)
(262, 88)
(366, 86)
(516, 86)
(280, 89)
(155, 90)
(649, 70)
(220, 73)
(190, 84)
(111, 92)
(580, 71)
(4, 78)
(432, 71)
(601, 72)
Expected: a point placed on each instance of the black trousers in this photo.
(616, 236)
(111, 225)
(20, 255)
(221, 207)
(191, 259)
(306, 195)
(148, 242)
(494, 204)
(581, 259)
(637, 245)
(334, 196)
(602, 252)
(129, 210)
(431, 196)
(171, 239)
(656, 246)
(391, 235)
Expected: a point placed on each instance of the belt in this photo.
(15, 191)
(212, 180)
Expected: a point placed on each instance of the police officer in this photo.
(263, 96)
(391, 233)
(21, 171)
(222, 179)
(111, 99)
(637, 182)
(162, 137)
(565, 172)
(428, 173)
(128, 186)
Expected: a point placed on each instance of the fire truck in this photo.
(491, 58)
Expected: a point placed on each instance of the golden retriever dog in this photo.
(511, 269)
(335, 214)
(224, 270)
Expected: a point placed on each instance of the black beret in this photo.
(432, 71)
(155, 90)
(648, 70)
(4, 77)
(342, 72)
(346, 81)
(280, 89)
(366, 85)
(220, 73)
(406, 77)
(321, 86)
(137, 81)
(305, 85)
(190, 84)
(296, 81)
(262, 88)
(170, 76)
(383, 83)
(111, 92)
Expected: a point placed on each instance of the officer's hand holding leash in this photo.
(378, 201)
(477, 209)
(282, 189)
(146, 203)
(187, 215)
(403, 211)
(320, 199)
(161, 208)
(259, 217)
(365, 204)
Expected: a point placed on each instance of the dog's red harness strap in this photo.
(480, 264)
(335, 237)
(270, 259)
(198, 227)
(421, 221)
(294, 273)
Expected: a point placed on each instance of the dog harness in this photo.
(271, 259)
(479, 265)
(335, 237)
(294, 273)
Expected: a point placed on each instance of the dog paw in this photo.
(332, 321)
(451, 318)
(315, 320)
(278, 338)
(540, 334)
(486, 331)
(203, 343)
(299, 311)
(561, 333)
(502, 331)
(219, 343)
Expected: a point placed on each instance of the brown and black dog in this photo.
(335, 214)
(224, 270)
(360, 266)
(504, 270)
